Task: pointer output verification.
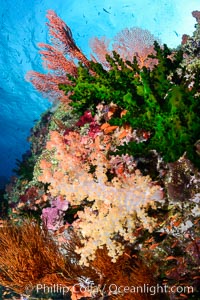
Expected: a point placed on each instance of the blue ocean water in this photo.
(22, 27)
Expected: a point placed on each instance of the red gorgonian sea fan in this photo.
(62, 37)
(53, 59)
(58, 58)
(61, 57)
(47, 84)
(128, 43)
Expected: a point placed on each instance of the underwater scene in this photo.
(100, 150)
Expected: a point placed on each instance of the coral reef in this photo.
(106, 203)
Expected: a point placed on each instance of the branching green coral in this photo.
(158, 101)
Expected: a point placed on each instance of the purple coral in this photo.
(60, 203)
(53, 216)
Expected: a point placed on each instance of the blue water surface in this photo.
(22, 27)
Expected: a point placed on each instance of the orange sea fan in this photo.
(126, 272)
(28, 255)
